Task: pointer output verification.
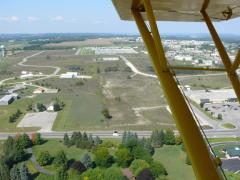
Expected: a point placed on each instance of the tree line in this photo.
(12, 166)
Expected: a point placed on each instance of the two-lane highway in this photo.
(109, 134)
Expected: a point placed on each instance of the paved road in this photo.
(22, 63)
(4, 80)
(78, 51)
(109, 134)
(41, 77)
(134, 69)
(224, 143)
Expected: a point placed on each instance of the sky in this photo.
(85, 16)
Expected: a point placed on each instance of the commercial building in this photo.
(6, 100)
(26, 76)
(212, 96)
(3, 51)
(17, 87)
(69, 75)
(39, 90)
(112, 50)
(111, 59)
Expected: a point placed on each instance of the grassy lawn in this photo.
(229, 126)
(173, 158)
(160, 117)
(207, 82)
(214, 140)
(53, 146)
(83, 105)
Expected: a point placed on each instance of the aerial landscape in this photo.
(90, 106)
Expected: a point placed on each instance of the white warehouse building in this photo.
(69, 75)
(6, 100)
(212, 96)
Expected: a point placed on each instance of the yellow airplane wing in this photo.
(182, 10)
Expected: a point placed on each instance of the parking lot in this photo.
(44, 120)
(229, 111)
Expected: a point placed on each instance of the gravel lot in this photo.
(44, 120)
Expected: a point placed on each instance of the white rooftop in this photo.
(212, 94)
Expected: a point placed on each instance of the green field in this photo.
(214, 140)
(53, 146)
(229, 126)
(173, 158)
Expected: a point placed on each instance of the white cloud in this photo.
(58, 18)
(10, 18)
(32, 19)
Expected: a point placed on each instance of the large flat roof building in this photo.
(6, 100)
(212, 96)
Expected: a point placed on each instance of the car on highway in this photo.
(115, 133)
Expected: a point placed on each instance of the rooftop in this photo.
(6, 98)
(212, 94)
(231, 164)
(233, 152)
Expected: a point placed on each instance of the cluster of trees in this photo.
(160, 137)
(81, 140)
(41, 47)
(187, 159)
(13, 118)
(79, 83)
(41, 107)
(58, 105)
(76, 68)
(109, 173)
(21, 173)
(45, 158)
(106, 113)
(60, 162)
(137, 153)
(14, 154)
(111, 69)
(133, 153)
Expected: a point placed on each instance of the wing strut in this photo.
(204, 164)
